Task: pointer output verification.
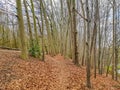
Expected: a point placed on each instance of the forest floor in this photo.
(56, 73)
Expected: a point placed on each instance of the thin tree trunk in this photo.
(88, 47)
(74, 32)
(34, 21)
(29, 24)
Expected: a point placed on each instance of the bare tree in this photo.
(24, 52)
(88, 46)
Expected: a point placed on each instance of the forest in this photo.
(59, 45)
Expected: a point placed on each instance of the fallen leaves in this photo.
(55, 73)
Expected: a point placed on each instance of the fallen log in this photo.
(8, 48)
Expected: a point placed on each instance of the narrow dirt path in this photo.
(60, 73)
(63, 74)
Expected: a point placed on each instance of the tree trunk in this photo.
(88, 47)
(74, 32)
(29, 24)
(34, 21)
(24, 52)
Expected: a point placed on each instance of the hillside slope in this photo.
(55, 73)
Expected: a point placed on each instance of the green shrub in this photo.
(35, 50)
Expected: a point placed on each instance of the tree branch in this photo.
(81, 15)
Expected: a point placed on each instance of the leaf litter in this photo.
(56, 73)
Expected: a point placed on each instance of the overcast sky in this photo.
(9, 5)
